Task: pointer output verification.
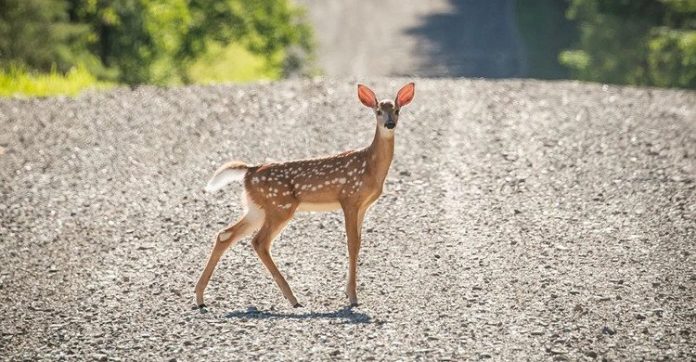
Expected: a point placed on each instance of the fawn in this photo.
(273, 192)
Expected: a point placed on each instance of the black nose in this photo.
(390, 125)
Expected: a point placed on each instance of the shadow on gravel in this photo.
(473, 39)
(346, 314)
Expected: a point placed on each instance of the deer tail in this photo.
(226, 174)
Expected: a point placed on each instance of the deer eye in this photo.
(379, 112)
(396, 112)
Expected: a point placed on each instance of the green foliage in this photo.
(577, 59)
(118, 37)
(545, 31)
(152, 41)
(38, 34)
(672, 58)
(232, 63)
(642, 42)
(156, 41)
(266, 28)
(18, 81)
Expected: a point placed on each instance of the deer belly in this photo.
(318, 206)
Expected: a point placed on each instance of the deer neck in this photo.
(381, 152)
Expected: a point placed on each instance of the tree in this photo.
(643, 42)
(145, 41)
(545, 32)
(38, 34)
(269, 28)
(155, 41)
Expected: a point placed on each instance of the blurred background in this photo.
(65, 46)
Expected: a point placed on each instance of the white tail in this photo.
(228, 173)
(350, 181)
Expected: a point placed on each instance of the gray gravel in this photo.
(521, 219)
(434, 38)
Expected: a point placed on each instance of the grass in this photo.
(231, 63)
(17, 81)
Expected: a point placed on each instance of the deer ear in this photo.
(405, 95)
(367, 96)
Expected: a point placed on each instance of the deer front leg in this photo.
(352, 219)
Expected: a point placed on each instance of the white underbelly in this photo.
(316, 206)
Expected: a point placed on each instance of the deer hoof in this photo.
(297, 305)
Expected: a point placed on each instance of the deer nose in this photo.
(390, 125)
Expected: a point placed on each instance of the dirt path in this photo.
(521, 220)
(417, 38)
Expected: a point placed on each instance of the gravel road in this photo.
(434, 38)
(521, 219)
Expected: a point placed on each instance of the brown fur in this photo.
(351, 181)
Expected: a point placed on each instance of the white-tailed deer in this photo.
(350, 181)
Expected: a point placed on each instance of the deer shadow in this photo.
(345, 315)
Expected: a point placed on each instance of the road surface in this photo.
(520, 220)
(436, 38)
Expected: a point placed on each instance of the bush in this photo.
(672, 58)
(38, 34)
(148, 41)
(641, 42)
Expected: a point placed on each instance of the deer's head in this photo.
(387, 111)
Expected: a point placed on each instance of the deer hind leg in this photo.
(223, 240)
(262, 245)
